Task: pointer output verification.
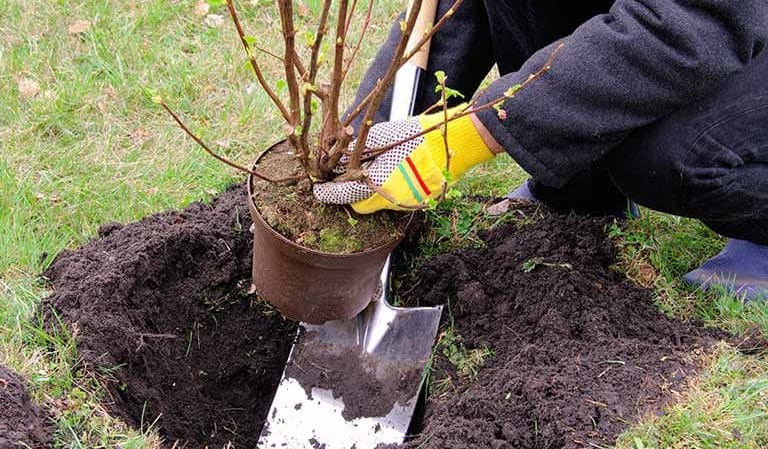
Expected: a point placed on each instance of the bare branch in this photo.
(472, 108)
(381, 88)
(331, 115)
(285, 8)
(416, 48)
(312, 76)
(207, 149)
(255, 65)
(363, 31)
(289, 35)
(444, 129)
(348, 22)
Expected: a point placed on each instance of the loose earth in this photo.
(162, 305)
(22, 422)
(568, 352)
(571, 353)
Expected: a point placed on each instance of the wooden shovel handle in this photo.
(424, 21)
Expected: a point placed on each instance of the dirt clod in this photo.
(160, 306)
(577, 352)
(22, 422)
(369, 386)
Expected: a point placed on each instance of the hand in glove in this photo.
(411, 173)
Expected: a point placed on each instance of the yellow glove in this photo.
(411, 173)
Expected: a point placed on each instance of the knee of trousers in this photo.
(672, 168)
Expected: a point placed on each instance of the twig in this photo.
(472, 109)
(363, 31)
(222, 158)
(313, 68)
(399, 63)
(384, 83)
(254, 64)
(267, 52)
(348, 22)
(444, 135)
(331, 115)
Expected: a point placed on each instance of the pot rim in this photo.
(304, 248)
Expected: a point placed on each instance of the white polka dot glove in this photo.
(411, 173)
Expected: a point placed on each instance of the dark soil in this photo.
(293, 211)
(370, 386)
(579, 352)
(159, 305)
(22, 422)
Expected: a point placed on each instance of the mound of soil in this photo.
(159, 306)
(22, 422)
(578, 352)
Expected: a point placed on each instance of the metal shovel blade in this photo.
(353, 383)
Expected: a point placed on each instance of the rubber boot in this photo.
(523, 192)
(741, 268)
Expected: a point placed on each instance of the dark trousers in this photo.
(707, 161)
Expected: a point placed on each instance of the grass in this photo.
(90, 147)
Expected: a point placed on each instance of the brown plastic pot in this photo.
(309, 285)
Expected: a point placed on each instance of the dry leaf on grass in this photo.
(201, 8)
(139, 136)
(213, 20)
(28, 88)
(79, 27)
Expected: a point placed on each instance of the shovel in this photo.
(354, 384)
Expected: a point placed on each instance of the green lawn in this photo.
(81, 143)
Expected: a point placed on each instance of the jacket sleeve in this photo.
(618, 72)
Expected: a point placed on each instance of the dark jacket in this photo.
(617, 72)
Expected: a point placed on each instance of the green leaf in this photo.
(440, 76)
(453, 194)
(529, 265)
(281, 86)
(509, 93)
(250, 40)
(352, 221)
(216, 3)
(451, 93)
(309, 38)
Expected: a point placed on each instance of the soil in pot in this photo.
(550, 347)
(292, 210)
(22, 422)
(160, 306)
